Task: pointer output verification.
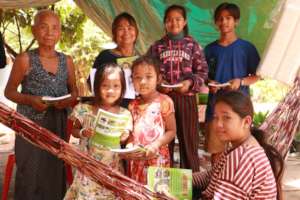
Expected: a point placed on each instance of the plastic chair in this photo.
(8, 174)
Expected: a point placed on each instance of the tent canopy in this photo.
(258, 18)
(255, 24)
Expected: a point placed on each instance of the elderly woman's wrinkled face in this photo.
(47, 29)
(125, 33)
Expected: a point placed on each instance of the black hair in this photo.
(242, 105)
(148, 60)
(118, 18)
(232, 8)
(100, 76)
(182, 10)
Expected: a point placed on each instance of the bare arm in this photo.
(245, 81)
(170, 132)
(18, 72)
(77, 127)
(153, 148)
(249, 80)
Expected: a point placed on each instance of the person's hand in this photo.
(87, 132)
(168, 194)
(37, 103)
(186, 84)
(124, 137)
(235, 84)
(63, 103)
(152, 150)
(137, 155)
(213, 89)
(164, 90)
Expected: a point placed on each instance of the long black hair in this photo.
(182, 10)
(242, 105)
(100, 76)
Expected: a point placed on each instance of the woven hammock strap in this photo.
(99, 172)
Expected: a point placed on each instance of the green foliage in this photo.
(268, 91)
(15, 27)
(72, 21)
(80, 38)
(259, 118)
(297, 136)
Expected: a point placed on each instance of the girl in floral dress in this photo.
(109, 87)
(154, 120)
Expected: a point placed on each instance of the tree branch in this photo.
(30, 45)
(10, 50)
(19, 35)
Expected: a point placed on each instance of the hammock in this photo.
(282, 124)
(99, 172)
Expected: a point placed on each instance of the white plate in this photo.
(128, 150)
(47, 98)
(219, 84)
(172, 86)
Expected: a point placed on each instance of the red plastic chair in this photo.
(8, 174)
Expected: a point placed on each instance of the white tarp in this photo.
(281, 59)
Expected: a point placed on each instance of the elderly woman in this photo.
(125, 32)
(41, 72)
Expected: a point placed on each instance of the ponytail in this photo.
(274, 157)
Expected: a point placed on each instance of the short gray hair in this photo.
(43, 12)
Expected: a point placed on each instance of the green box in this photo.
(202, 98)
(177, 182)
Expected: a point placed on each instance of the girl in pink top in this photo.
(154, 123)
(249, 168)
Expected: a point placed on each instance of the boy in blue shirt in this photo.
(230, 59)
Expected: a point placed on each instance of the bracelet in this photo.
(242, 82)
(80, 133)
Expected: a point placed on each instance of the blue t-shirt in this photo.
(237, 60)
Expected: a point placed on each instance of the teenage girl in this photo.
(182, 62)
(249, 168)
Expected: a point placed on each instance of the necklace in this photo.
(229, 146)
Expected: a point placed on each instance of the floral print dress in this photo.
(84, 188)
(149, 125)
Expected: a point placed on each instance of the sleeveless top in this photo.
(41, 83)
